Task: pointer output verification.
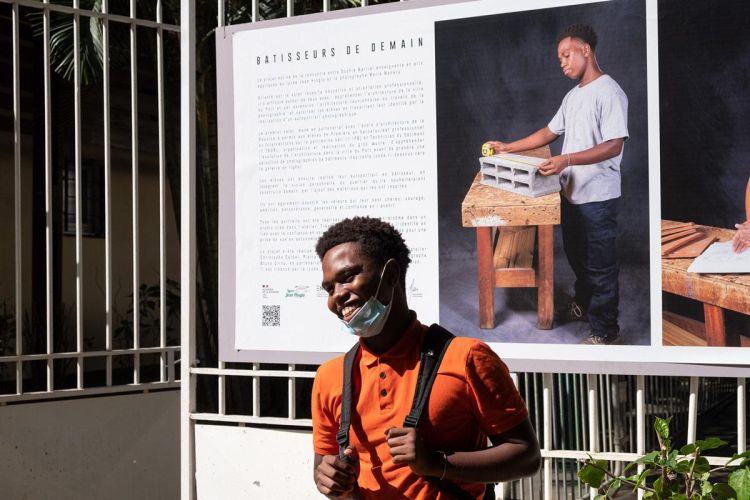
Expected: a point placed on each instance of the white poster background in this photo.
(308, 332)
(331, 121)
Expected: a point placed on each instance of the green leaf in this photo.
(648, 495)
(683, 466)
(722, 491)
(600, 497)
(687, 449)
(701, 466)
(649, 458)
(641, 478)
(592, 474)
(614, 486)
(678, 496)
(661, 426)
(739, 480)
(706, 488)
(659, 487)
(745, 456)
(671, 460)
(710, 443)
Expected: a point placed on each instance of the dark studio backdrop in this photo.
(704, 93)
(498, 77)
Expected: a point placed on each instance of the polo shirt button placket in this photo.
(384, 392)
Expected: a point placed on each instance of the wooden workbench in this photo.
(716, 291)
(507, 225)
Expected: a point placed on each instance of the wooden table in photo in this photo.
(507, 225)
(716, 291)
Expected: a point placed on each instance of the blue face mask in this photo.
(371, 317)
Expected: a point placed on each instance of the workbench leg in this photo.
(545, 277)
(486, 278)
(716, 334)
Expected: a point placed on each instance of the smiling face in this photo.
(573, 55)
(350, 277)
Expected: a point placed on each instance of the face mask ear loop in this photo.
(382, 275)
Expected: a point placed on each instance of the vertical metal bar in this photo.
(48, 200)
(640, 422)
(222, 390)
(170, 366)
(610, 425)
(162, 191)
(547, 409)
(326, 5)
(365, 3)
(255, 13)
(535, 403)
(187, 249)
(584, 410)
(18, 228)
(256, 392)
(576, 414)
(107, 190)
(563, 418)
(79, 235)
(741, 416)
(134, 190)
(593, 430)
(289, 8)
(292, 392)
(692, 410)
(630, 403)
(220, 14)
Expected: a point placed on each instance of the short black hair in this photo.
(378, 239)
(583, 32)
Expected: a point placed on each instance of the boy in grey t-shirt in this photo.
(593, 118)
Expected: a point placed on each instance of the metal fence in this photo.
(91, 368)
(575, 416)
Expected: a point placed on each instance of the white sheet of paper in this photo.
(719, 258)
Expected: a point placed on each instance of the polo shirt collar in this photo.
(409, 338)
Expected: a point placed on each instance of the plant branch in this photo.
(690, 482)
(622, 479)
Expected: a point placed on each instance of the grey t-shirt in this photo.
(590, 115)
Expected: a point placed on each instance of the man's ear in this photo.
(392, 272)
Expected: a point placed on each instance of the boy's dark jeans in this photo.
(590, 241)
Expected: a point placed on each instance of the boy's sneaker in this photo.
(609, 339)
(573, 312)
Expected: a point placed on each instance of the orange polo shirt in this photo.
(473, 397)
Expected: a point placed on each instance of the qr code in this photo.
(271, 315)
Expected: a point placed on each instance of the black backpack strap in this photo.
(347, 389)
(434, 345)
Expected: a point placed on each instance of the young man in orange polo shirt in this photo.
(364, 264)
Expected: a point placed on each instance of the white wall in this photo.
(113, 447)
(244, 462)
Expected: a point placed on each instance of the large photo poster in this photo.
(499, 77)
(395, 114)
